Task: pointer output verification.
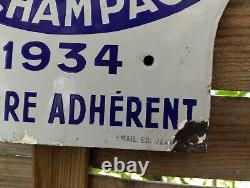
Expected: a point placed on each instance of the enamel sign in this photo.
(129, 74)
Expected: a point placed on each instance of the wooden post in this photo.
(60, 167)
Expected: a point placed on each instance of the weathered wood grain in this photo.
(229, 141)
(232, 48)
(15, 166)
(109, 182)
(60, 167)
(15, 150)
(228, 155)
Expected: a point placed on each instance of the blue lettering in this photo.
(94, 109)
(149, 112)
(133, 115)
(74, 53)
(190, 103)
(43, 56)
(27, 106)
(10, 108)
(113, 109)
(57, 109)
(86, 16)
(171, 113)
(80, 118)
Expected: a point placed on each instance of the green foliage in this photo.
(177, 180)
(167, 179)
(226, 93)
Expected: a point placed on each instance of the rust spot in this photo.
(188, 138)
(194, 139)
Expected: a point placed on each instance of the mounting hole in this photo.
(148, 60)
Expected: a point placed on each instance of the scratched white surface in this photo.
(182, 46)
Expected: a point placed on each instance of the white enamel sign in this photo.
(130, 74)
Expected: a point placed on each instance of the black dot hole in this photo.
(148, 60)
